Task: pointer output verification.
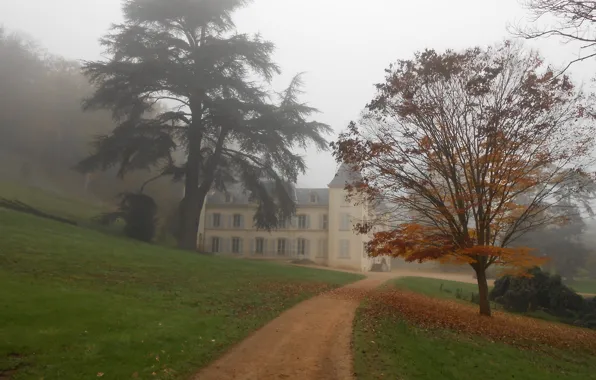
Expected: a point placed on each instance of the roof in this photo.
(345, 175)
(302, 197)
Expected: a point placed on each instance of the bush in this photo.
(139, 213)
(541, 291)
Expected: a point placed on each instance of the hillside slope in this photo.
(79, 304)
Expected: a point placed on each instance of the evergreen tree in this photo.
(186, 56)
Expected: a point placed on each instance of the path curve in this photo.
(310, 341)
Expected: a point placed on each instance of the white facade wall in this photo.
(326, 235)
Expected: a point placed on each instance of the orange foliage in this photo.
(415, 242)
(469, 149)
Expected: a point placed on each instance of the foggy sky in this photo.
(342, 45)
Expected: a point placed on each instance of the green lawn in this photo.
(436, 287)
(386, 347)
(584, 286)
(77, 303)
(80, 210)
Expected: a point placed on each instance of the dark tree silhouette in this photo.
(186, 57)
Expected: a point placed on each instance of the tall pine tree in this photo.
(179, 78)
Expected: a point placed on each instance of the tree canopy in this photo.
(181, 79)
(469, 150)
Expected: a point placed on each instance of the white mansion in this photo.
(321, 231)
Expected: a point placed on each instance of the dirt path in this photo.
(310, 341)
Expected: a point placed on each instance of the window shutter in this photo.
(321, 221)
(253, 243)
(307, 248)
(308, 222)
(265, 246)
(241, 246)
(242, 221)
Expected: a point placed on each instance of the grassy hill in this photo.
(418, 329)
(76, 209)
(77, 304)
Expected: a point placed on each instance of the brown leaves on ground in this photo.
(432, 313)
(292, 289)
(350, 294)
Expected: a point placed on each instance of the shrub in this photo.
(541, 291)
(139, 214)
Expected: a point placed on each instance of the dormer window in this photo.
(229, 198)
(314, 198)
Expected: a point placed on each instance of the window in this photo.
(236, 245)
(260, 246)
(345, 222)
(216, 220)
(215, 246)
(344, 249)
(229, 198)
(302, 222)
(237, 221)
(281, 246)
(324, 222)
(301, 245)
(314, 198)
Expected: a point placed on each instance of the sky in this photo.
(342, 46)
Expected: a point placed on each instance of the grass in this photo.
(78, 303)
(584, 286)
(435, 287)
(387, 347)
(444, 289)
(392, 343)
(78, 210)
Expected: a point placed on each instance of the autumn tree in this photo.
(186, 56)
(567, 20)
(467, 151)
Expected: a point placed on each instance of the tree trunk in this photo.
(188, 223)
(482, 290)
(189, 206)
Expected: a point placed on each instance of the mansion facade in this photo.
(321, 231)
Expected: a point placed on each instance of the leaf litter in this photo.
(517, 330)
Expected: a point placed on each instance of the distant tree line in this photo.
(44, 133)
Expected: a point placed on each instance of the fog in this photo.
(343, 46)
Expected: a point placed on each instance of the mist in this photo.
(342, 47)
